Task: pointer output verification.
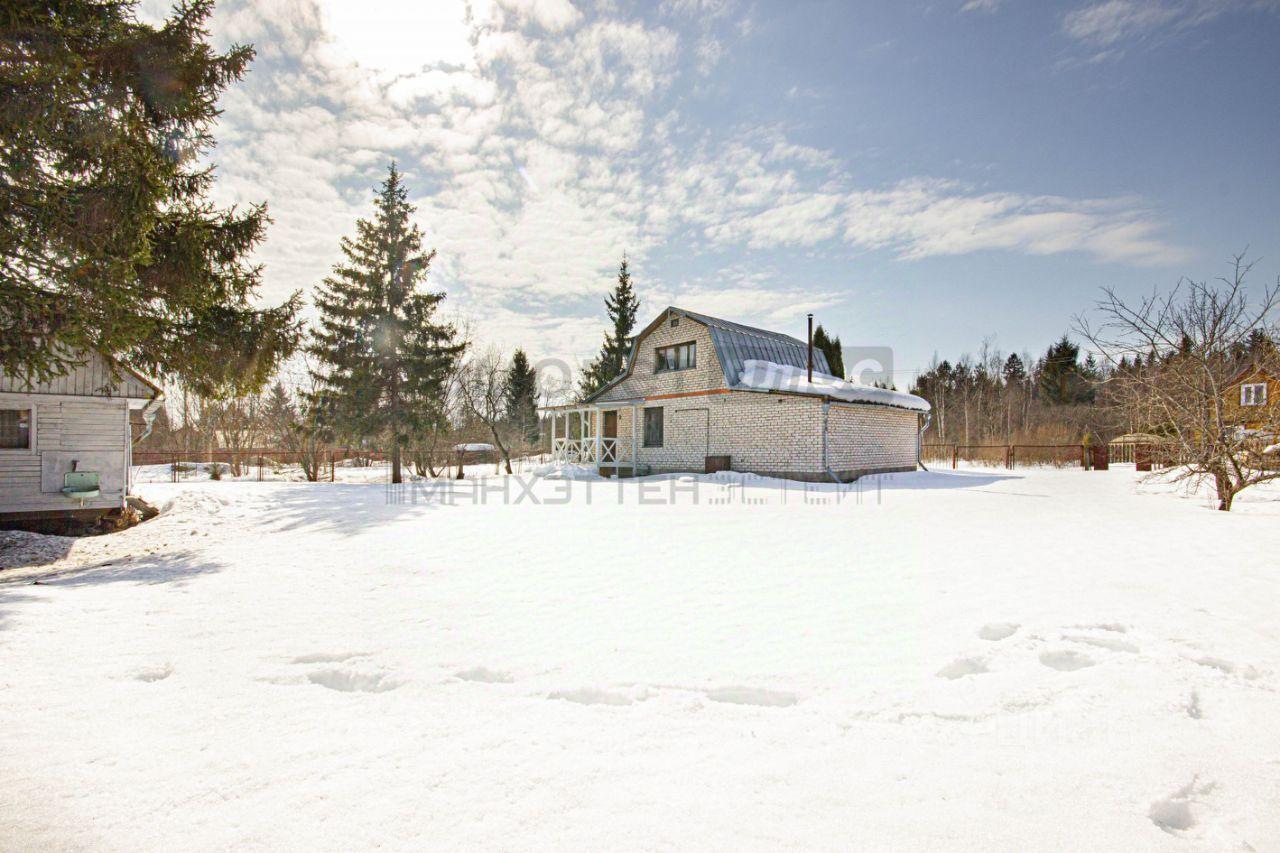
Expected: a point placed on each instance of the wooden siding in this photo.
(90, 431)
(91, 379)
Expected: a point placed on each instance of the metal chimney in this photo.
(811, 348)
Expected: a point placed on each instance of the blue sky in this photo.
(919, 174)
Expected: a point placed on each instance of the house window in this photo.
(678, 357)
(15, 429)
(653, 427)
(1253, 394)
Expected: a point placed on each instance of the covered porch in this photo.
(603, 435)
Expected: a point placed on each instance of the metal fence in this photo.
(1006, 455)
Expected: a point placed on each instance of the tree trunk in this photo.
(1225, 491)
(395, 462)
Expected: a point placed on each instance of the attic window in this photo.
(675, 321)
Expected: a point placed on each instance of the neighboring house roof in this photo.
(735, 344)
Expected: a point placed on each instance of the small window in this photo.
(675, 321)
(15, 429)
(653, 427)
(1253, 394)
(678, 357)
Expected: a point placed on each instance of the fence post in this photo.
(955, 456)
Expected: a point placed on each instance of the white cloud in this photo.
(1110, 22)
(981, 5)
(539, 142)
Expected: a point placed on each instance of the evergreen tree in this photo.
(278, 415)
(1061, 379)
(621, 306)
(108, 239)
(383, 358)
(1015, 373)
(521, 393)
(830, 347)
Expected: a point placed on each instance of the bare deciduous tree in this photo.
(482, 386)
(1191, 345)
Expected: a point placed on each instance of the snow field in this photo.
(1020, 660)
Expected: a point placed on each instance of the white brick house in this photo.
(697, 389)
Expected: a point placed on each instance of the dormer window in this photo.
(678, 357)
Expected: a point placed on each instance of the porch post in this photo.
(554, 417)
(596, 428)
(635, 461)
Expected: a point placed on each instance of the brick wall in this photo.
(705, 374)
(773, 434)
(870, 438)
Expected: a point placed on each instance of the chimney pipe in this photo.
(810, 348)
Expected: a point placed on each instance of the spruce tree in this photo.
(383, 358)
(622, 306)
(108, 240)
(1061, 378)
(830, 347)
(521, 396)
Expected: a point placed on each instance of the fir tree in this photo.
(278, 414)
(383, 358)
(108, 239)
(830, 347)
(1015, 373)
(521, 393)
(1061, 378)
(622, 306)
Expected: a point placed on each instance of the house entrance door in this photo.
(609, 448)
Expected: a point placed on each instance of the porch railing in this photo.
(582, 451)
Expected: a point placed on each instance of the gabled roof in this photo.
(735, 344)
(96, 375)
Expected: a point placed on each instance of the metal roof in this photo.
(735, 343)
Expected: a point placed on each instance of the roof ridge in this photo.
(736, 326)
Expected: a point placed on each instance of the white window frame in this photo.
(1253, 394)
(32, 442)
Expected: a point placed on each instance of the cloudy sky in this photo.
(919, 174)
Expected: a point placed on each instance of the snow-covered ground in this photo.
(1040, 659)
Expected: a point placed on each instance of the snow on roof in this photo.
(475, 447)
(768, 376)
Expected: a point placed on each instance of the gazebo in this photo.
(1125, 448)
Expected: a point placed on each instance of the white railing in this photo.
(582, 451)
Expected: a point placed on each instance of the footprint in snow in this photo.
(752, 696)
(1066, 661)
(1173, 813)
(591, 696)
(154, 673)
(1104, 643)
(485, 676)
(329, 657)
(995, 631)
(961, 667)
(351, 681)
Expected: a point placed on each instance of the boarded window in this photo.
(653, 427)
(678, 357)
(15, 429)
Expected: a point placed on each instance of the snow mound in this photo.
(565, 471)
(769, 376)
(194, 503)
(473, 447)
